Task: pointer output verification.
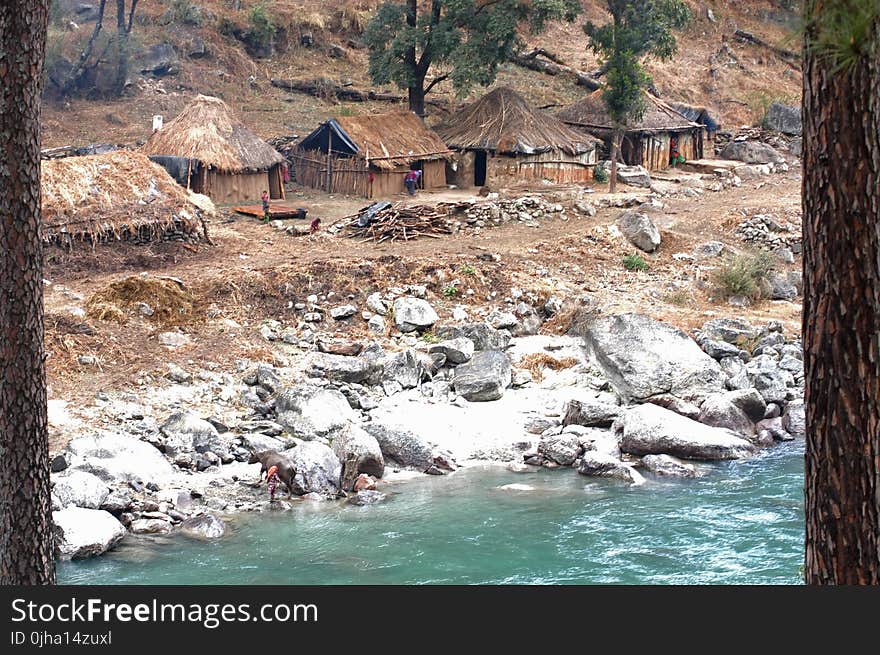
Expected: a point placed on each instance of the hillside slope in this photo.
(211, 39)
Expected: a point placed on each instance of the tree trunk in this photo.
(26, 544)
(841, 316)
(417, 99)
(122, 44)
(616, 138)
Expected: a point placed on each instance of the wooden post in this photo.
(329, 160)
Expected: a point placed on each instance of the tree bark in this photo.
(416, 99)
(841, 315)
(616, 137)
(122, 47)
(26, 544)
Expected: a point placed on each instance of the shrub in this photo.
(430, 337)
(635, 263)
(451, 291)
(745, 275)
(600, 174)
(186, 12)
(467, 269)
(262, 27)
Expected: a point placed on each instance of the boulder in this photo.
(483, 335)
(719, 411)
(114, 457)
(343, 312)
(203, 526)
(781, 288)
(311, 412)
(341, 368)
(775, 428)
(318, 470)
(257, 442)
(595, 439)
(594, 410)
(359, 451)
(366, 497)
(749, 401)
(411, 314)
(666, 465)
(187, 432)
(484, 377)
(402, 368)
(159, 59)
(642, 357)
(719, 349)
(731, 330)
(340, 347)
(81, 533)
(563, 449)
(457, 351)
(404, 447)
(652, 430)
(784, 118)
(528, 322)
(640, 230)
(80, 489)
(117, 501)
(768, 379)
(377, 304)
(601, 464)
(634, 176)
(795, 419)
(150, 526)
(501, 320)
(751, 152)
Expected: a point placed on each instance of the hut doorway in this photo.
(419, 166)
(480, 168)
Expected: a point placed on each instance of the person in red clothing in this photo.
(272, 481)
(411, 180)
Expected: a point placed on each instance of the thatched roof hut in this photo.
(650, 141)
(222, 157)
(503, 122)
(370, 154)
(502, 139)
(118, 195)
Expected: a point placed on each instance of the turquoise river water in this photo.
(740, 524)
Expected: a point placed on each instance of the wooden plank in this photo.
(276, 211)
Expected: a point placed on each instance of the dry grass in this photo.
(171, 302)
(537, 362)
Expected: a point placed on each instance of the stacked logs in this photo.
(404, 222)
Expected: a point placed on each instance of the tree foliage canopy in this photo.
(639, 30)
(466, 38)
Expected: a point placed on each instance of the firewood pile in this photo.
(401, 222)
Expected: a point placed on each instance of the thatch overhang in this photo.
(590, 113)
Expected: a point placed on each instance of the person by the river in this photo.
(272, 481)
(265, 198)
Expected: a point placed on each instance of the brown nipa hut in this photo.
(501, 139)
(648, 142)
(118, 196)
(206, 149)
(370, 155)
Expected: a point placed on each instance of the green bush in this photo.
(635, 263)
(745, 275)
(451, 291)
(262, 27)
(600, 174)
(467, 269)
(186, 12)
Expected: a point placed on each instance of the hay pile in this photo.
(164, 300)
(537, 362)
(118, 195)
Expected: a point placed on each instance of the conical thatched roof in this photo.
(502, 121)
(591, 113)
(387, 140)
(101, 196)
(207, 130)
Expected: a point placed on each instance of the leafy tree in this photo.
(841, 315)
(639, 30)
(467, 39)
(26, 548)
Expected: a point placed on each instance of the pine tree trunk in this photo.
(616, 138)
(26, 545)
(841, 317)
(122, 45)
(417, 99)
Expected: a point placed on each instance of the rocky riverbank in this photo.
(621, 396)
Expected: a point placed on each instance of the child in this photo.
(272, 481)
(315, 226)
(265, 197)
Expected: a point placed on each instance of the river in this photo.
(743, 523)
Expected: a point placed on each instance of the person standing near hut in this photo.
(265, 198)
(411, 180)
